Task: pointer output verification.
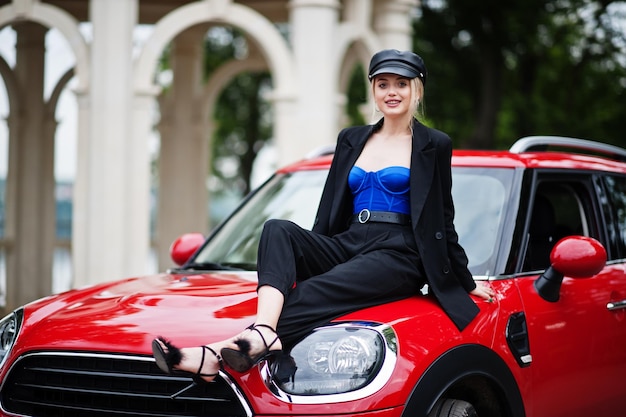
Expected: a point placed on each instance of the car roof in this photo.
(548, 152)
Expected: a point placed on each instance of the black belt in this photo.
(365, 216)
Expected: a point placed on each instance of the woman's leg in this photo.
(386, 270)
(270, 305)
(286, 251)
(287, 254)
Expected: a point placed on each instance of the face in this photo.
(392, 94)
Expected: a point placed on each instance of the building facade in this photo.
(116, 93)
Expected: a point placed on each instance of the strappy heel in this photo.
(283, 368)
(240, 360)
(166, 360)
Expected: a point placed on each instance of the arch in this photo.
(271, 44)
(58, 89)
(54, 17)
(350, 35)
(10, 83)
(355, 45)
(224, 74)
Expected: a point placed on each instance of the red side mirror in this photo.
(578, 256)
(185, 246)
(574, 256)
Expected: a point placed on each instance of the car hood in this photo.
(125, 316)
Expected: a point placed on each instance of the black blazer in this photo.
(432, 212)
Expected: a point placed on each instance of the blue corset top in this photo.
(383, 190)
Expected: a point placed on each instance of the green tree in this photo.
(243, 127)
(356, 96)
(501, 70)
(242, 116)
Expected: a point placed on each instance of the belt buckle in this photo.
(365, 212)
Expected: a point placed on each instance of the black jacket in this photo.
(432, 212)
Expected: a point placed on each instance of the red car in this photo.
(546, 230)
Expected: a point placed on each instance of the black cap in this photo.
(404, 63)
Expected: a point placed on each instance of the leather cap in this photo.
(403, 63)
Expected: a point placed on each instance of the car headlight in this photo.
(338, 359)
(9, 329)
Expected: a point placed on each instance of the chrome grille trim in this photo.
(70, 384)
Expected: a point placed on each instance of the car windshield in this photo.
(480, 197)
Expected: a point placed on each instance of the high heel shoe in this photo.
(166, 360)
(240, 360)
(283, 368)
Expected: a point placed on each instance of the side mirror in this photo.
(574, 256)
(185, 246)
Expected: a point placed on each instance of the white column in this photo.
(184, 153)
(81, 197)
(113, 171)
(287, 134)
(30, 181)
(393, 23)
(138, 191)
(314, 27)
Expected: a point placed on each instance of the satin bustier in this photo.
(383, 190)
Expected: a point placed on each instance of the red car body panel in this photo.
(578, 346)
(126, 316)
(224, 303)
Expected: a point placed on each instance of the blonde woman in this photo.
(384, 228)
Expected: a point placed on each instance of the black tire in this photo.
(452, 408)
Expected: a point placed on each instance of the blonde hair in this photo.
(417, 98)
(417, 101)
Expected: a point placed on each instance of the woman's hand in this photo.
(482, 290)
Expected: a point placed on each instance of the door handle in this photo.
(616, 305)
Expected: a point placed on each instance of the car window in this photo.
(293, 197)
(615, 213)
(559, 209)
(481, 197)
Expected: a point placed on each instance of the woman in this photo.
(373, 241)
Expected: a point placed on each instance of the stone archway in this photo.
(272, 46)
(53, 17)
(185, 181)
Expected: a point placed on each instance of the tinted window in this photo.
(616, 210)
(561, 208)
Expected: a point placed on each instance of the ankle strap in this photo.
(266, 326)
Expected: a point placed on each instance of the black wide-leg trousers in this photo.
(325, 277)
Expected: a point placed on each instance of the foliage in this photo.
(242, 128)
(357, 95)
(502, 70)
(242, 116)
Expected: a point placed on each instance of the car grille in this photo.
(97, 385)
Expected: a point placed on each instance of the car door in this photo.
(578, 343)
